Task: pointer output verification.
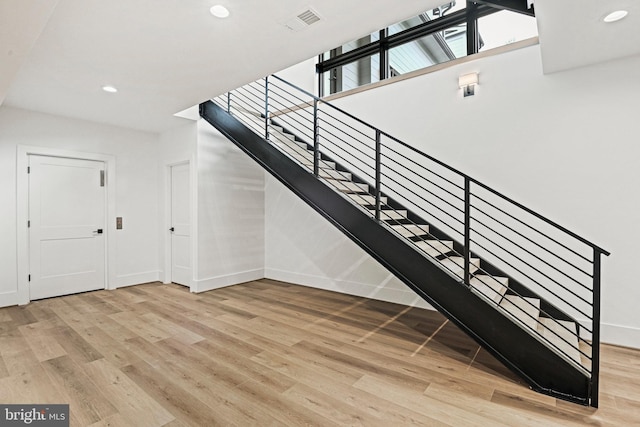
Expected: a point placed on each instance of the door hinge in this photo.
(28, 223)
(28, 169)
(101, 178)
(29, 277)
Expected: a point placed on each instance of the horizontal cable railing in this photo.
(504, 252)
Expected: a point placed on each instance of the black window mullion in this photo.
(427, 28)
(473, 37)
(384, 55)
(351, 56)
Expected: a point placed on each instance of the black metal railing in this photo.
(553, 288)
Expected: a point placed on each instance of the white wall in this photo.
(563, 144)
(231, 220)
(136, 201)
(302, 75)
(304, 248)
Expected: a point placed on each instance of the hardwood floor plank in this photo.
(20, 315)
(255, 371)
(4, 371)
(421, 403)
(331, 408)
(112, 350)
(131, 401)
(174, 330)
(41, 341)
(545, 413)
(86, 400)
(31, 384)
(279, 407)
(74, 345)
(202, 330)
(180, 403)
(133, 321)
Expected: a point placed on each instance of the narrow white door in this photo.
(66, 226)
(180, 226)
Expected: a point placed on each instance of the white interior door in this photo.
(67, 217)
(180, 226)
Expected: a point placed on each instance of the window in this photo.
(504, 27)
(441, 46)
(453, 30)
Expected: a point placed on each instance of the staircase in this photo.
(522, 286)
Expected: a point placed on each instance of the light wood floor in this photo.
(269, 354)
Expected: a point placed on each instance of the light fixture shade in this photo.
(109, 89)
(219, 11)
(468, 80)
(615, 16)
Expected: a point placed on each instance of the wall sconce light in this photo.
(468, 83)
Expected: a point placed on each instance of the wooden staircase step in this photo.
(283, 140)
(367, 199)
(291, 147)
(386, 214)
(585, 347)
(411, 230)
(348, 186)
(566, 341)
(277, 130)
(523, 310)
(324, 164)
(334, 174)
(435, 248)
(489, 287)
(455, 264)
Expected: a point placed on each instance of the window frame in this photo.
(475, 9)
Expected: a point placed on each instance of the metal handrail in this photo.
(280, 104)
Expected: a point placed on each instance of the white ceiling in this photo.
(167, 55)
(573, 34)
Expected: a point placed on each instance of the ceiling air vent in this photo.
(303, 20)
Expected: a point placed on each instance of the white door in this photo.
(180, 226)
(66, 226)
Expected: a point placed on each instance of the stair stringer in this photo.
(543, 369)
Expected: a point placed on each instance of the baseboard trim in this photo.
(365, 290)
(625, 336)
(136, 279)
(8, 299)
(217, 282)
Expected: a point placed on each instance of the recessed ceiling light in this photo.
(615, 16)
(219, 11)
(109, 89)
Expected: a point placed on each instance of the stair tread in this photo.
(490, 287)
(585, 347)
(411, 230)
(334, 174)
(435, 247)
(390, 213)
(367, 199)
(568, 343)
(348, 186)
(287, 142)
(524, 312)
(455, 264)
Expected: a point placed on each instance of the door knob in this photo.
(98, 231)
(172, 229)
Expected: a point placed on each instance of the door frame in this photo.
(193, 216)
(22, 214)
